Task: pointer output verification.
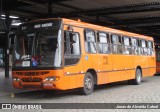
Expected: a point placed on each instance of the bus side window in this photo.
(135, 46)
(90, 41)
(153, 52)
(127, 45)
(103, 43)
(139, 47)
(150, 48)
(116, 44)
(144, 50)
(75, 44)
(71, 48)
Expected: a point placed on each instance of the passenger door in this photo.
(128, 59)
(104, 57)
(72, 58)
(116, 72)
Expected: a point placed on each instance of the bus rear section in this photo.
(157, 48)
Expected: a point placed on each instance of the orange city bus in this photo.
(157, 49)
(62, 54)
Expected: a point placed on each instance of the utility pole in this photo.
(1, 9)
(50, 8)
(7, 24)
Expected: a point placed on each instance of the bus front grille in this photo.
(31, 80)
(32, 73)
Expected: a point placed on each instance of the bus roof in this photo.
(97, 27)
(105, 29)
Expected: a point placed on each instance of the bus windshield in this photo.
(38, 48)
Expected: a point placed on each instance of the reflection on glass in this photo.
(41, 48)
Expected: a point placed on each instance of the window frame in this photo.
(108, 41)
(152, 47)
(146, 47)
(144, 41)
(85, 37)
(151, 44)
(118, 36)
(137, 45)
(80, 45)
(130, 44)
(111, 42)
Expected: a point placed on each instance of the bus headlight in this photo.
(15, 79)
(54, 78)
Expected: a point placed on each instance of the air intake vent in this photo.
(32, 73)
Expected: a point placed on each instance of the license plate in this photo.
(26, 63)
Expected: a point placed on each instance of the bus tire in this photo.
(138, 78)
(88, 84)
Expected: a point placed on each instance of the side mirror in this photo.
(73, 38)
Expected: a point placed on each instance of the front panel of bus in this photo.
(37, 56)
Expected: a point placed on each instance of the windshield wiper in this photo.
(25, 57)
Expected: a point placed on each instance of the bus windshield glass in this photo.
(38, 45)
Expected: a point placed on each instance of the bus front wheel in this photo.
(88, 84)
(138, 78)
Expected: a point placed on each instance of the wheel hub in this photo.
(138, 76)
(88, 83)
